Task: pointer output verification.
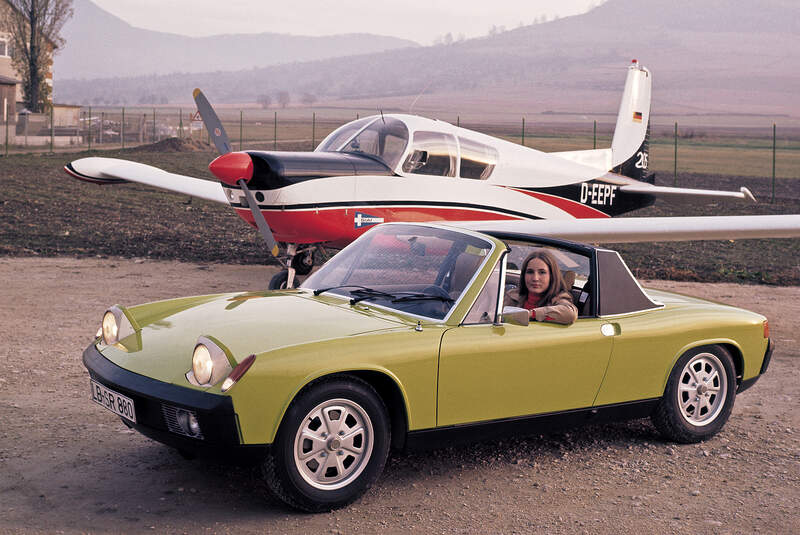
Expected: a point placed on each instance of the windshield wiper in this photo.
(361, 292)
(368, 293)
(323, 290)
(423, 297)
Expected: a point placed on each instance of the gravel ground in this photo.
(67, 465)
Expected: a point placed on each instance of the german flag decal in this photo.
(637, 116)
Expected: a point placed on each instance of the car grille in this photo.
(171, 419)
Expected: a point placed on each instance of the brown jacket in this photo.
(560, 310)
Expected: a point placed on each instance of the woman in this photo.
(542, 290)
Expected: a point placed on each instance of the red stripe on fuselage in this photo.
(336, 226)
(573, 208)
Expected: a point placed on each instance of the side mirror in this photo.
(516, 316)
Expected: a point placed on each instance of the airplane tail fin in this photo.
(630, 147)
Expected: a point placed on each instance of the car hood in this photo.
(244, 323)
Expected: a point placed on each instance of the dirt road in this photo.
(67, 465)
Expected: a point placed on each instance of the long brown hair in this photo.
(556, 285)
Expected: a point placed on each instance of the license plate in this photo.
(113, 401)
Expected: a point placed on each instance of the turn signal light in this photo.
(238, 372)
(766, 329)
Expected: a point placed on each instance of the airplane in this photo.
(400, 167)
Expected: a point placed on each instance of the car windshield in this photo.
(381, 138)
(409, 268)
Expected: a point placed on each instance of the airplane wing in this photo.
(647, 229)
(113, 171)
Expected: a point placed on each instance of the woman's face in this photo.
(537, 276)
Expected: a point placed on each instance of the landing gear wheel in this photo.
(278, 281)
(331, 446)
(699, 396)
(303, 263)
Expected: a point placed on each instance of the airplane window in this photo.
(385, 139)
(433, 154)
(477, 160)
(338, 137)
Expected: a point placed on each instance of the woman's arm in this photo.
(562, 310)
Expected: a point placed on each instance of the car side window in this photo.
(576, 271)
(432, 153)
(485, 306)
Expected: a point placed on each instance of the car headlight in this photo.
(115, 326)
(209, 363)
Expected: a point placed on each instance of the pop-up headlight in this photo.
(116, 326)
(210, 363)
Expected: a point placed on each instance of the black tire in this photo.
(278, 281)
(303, 263)
(689, 412)
(313, 483)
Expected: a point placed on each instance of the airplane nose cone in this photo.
(232, 167)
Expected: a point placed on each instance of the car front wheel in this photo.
(331, 446)
(699, 395)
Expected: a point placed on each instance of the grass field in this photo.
(704, 146)
(45, 212)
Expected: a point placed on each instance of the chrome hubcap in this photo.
(333, 444)
(702, 389)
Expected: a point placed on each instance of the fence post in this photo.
(180, 123)
(5, 114)
(122, 128)
(102, 120)
(774, 128)
(89, 120)
(458, 121)
(523, 131)
(241, 128)
(275, 133)
(52, 129)
(154, 125)
(313, 129)
(675, 157)
(594, 135)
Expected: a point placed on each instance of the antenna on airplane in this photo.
(420, 94)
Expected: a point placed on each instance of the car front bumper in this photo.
(156, 403)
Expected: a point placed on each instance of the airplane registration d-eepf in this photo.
(395, 167)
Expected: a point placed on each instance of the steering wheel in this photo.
(437, 291)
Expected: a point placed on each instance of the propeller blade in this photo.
(261, 223)
(212, 122)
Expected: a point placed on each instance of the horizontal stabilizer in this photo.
(648, 229)
(114, 171)
(666, 191)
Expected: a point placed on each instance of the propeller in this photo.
(212, 122)
(233, 167)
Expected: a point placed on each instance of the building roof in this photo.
(5, 80)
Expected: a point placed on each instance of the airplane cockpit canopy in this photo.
(428, 149)
(382, 138)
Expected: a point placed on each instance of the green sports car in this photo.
(403, 340)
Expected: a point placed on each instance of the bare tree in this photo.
(35, 27)
(265, 100)
(283, 98)
(308, 99)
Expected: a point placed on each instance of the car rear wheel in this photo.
(699, 395)
(331, 446)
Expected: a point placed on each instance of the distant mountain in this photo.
(100, 45)
(709, 56)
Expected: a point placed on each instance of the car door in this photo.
(490, 372)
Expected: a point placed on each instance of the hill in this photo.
(706, 58)
(99, 45)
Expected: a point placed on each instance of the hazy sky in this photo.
(419, 20)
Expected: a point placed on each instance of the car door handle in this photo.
(610, 329)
